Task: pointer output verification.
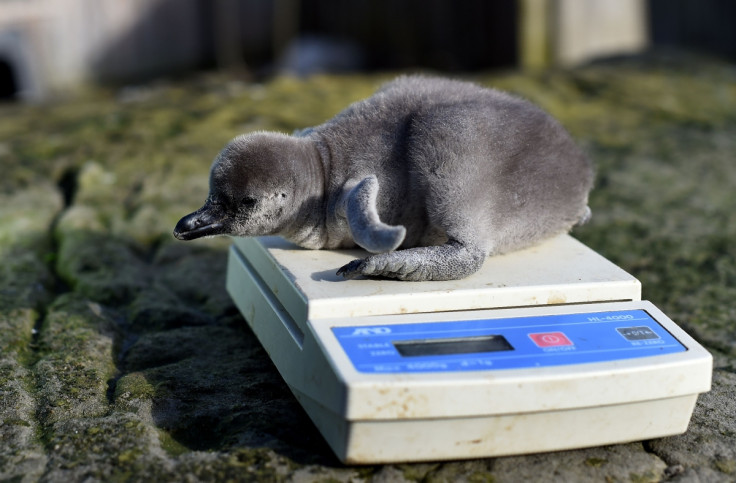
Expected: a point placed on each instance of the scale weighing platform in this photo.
(544, 349)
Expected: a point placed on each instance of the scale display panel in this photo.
(511, 343)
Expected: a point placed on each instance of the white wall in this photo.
(57, 44)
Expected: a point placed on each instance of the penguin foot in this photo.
(381, 266)
(451, 261)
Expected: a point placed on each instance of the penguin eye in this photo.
(248, 202)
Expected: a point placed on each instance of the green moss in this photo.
(128, 456)
(110, 448)
(727, 466)
(73, 321)
(416, 472)
(17, 422)
(134, 386)
(16, 332)
(480, 477)
(260, 464)
(596, 462)
(74, 359)
(171, 445)
(648, 477)
(100, 267)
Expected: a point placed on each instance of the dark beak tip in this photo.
(197, 225)
(185, 226)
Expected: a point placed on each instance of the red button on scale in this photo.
(550, 339)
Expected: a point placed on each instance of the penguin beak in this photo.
(206, 221)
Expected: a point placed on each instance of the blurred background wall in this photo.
(47, 46)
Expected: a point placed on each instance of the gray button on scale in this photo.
(544, 349)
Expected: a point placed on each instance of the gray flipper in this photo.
(359, 207)
(450, 261)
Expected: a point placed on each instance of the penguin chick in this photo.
(430, 175)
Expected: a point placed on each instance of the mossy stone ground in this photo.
(122, 357)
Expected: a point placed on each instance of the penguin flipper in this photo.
(366, 228)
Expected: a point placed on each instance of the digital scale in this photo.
(544, 349)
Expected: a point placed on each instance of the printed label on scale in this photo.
(512, 343)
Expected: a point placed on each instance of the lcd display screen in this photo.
(459, 345)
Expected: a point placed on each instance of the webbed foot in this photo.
(450, 261)
(379, 266)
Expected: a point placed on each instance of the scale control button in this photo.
(637, 333)
(550, 339)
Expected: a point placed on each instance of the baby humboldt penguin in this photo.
(430, 175)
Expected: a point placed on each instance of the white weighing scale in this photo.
(545, 349)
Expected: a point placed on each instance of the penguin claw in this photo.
(352, 269)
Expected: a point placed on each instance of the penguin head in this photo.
(252, 187)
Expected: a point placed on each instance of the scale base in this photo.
(354, 442)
